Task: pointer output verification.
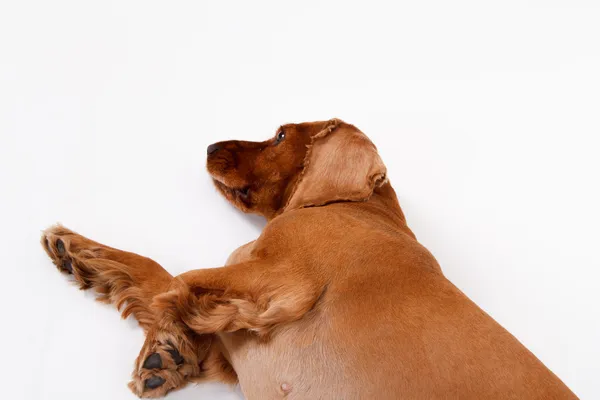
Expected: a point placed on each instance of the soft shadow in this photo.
(256, 221)
(130, 321)
(209, 390)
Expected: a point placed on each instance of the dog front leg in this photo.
(253, 296)
(256, 296)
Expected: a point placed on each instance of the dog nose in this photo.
(213, 148)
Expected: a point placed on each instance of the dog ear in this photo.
(341, 164)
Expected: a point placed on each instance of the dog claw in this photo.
(153, 362)
(153, 382)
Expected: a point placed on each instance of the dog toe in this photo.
(176, 355)
(154, 361)
(60, 247)
(154, 382)
(68, 266)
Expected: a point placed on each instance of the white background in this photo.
(486, 113)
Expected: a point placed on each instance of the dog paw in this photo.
(55, 241)
(167, 362)
(72, 254)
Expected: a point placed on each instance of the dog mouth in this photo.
(241, 193)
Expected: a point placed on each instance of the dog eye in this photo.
(280, 136)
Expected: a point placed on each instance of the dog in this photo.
(335, 300)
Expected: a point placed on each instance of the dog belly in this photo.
(295, 364)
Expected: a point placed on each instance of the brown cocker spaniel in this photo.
(335, 300)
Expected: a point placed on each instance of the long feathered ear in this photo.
(341, 165)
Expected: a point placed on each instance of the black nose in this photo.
(213, 148)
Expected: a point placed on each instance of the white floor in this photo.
(486, 115)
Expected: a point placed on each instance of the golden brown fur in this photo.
(335, 300)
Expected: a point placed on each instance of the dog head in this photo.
(303, 165)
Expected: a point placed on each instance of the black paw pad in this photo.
(153, 362)
(60, 246)
(176, 356)
(154, 381)
(68, 266)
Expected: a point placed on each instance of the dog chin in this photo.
(239, 196)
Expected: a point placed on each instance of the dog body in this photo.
(335, 300)
(387, 323)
